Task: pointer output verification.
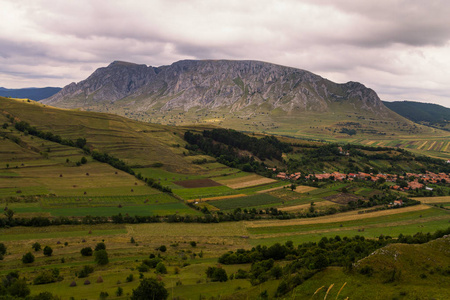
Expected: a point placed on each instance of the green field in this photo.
(255, 201)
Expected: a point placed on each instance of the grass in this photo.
(245, 202)
(195, 193)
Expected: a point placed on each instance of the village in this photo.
(409, 181)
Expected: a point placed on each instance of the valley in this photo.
(166, 191)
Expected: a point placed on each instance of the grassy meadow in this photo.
(39, 178)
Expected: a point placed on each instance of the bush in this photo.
(101, 257)
(104, 295)
(48, 251)
(47, 276)
(85, 271)
(161, 268)
(28, 258)
(19, 288)
(2, 249)
(130, 278)
(216, 274)
(162, 248)
(100, 246)
(193, 244)
(119, 291)
(87, 251)
(36, 246)
(150, 288)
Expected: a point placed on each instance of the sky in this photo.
(399, 48)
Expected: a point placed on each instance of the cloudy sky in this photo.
(399, 48)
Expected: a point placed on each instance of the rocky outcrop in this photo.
(214, 84)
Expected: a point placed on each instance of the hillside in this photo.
(29, 93)
(424, 113)
(250, 96)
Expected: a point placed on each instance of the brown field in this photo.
(197, 183)
(433, 199)
(247, 181)
(304, 189)
(306, 206)
(217, 198)
(270, 190)
(342, 198)
(347, 216)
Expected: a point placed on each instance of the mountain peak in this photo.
(225, 85)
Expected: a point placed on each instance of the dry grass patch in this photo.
(246, 181)
(271, 190)
(433, 199)
(306, 206)
(347, 216)
(217, 198)
(304, 189)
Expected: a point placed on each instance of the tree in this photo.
(100, 246)
(48, 251)
(161, 268)
(36, 246)
(19, 288)
(9, 214)
(2, 249)
(28, 258)
(101, 257)
(83, 160)
(86, 251)
(119, 291)
(150, 289)
(293, 187)
(162, 248)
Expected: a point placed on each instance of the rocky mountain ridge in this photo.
(214, 85)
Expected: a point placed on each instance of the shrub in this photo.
(28, 258)
(150, 288)
(130, 278)
(216, 274)
(162, 248)
(101, 257)
(85, 271)
(119, 291)
(161, 268)
(104, 295)
(2, 249)
(143, 268)
(47, 276)
(19, 288)
(87, 251)
(36, 246)
(100, 246)
(193, 244)
(48, 251)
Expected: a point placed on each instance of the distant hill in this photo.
(244, 95)
(426, 113)
(30, 93)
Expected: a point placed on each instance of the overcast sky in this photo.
(399, 48)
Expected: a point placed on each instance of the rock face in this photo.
(214, 84)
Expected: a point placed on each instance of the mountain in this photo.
(432, 114)
(29, 93)
(244, 95)
(197, 84)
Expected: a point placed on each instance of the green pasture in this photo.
(57, 202)
(205, 192)
(415, 216)
(245, 202)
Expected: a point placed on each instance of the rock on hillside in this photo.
(214, 84)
